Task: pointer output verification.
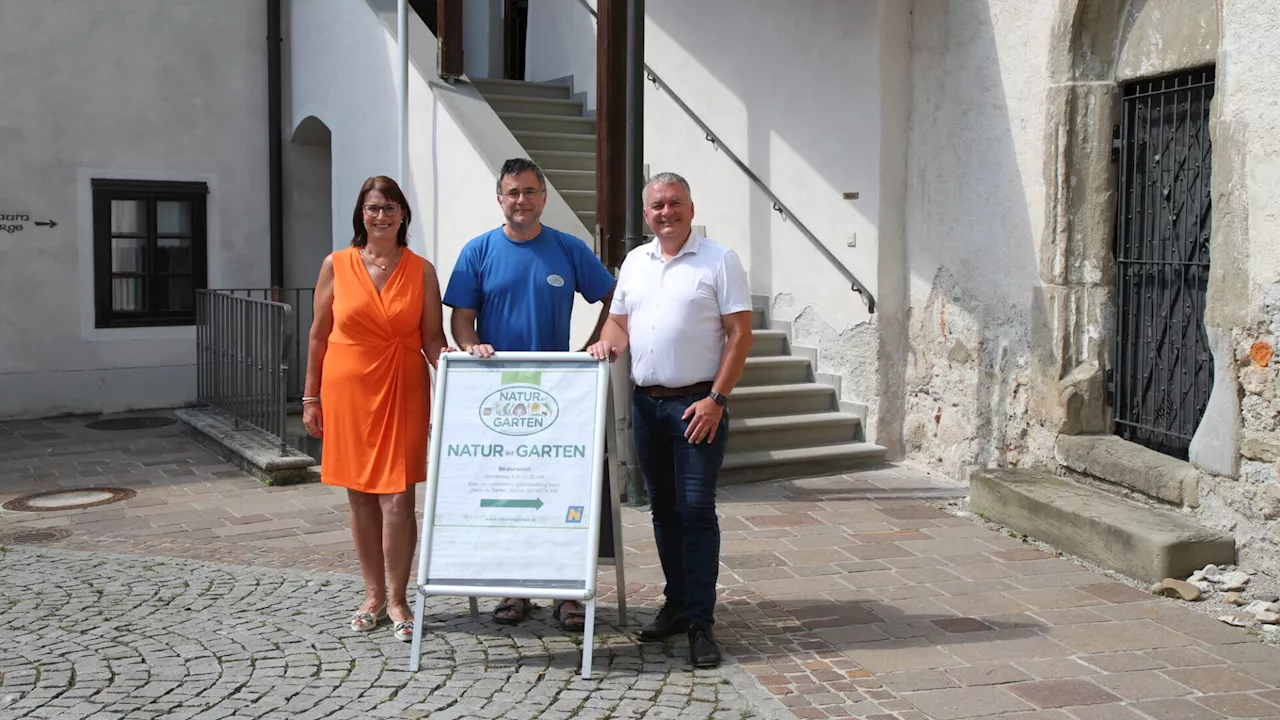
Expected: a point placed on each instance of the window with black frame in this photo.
(149, 252)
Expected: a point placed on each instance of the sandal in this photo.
(363, 622)
(403, 631)
(518, 606)
(572, 620)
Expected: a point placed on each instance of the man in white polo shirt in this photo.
(683, 305)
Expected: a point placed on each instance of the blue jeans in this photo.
(681, 480)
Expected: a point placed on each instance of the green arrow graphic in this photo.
(536, 504)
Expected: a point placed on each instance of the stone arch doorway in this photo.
(1099, 48)
(309, 230)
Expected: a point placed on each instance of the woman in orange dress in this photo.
(377, 307)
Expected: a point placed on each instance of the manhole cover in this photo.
(35, 536)
(140, 422)
(73, 499)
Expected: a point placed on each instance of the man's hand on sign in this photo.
(481, 350)
(604, 350)
(706, 416)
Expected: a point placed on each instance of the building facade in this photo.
(1061, 208)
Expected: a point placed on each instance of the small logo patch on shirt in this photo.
(555, 281)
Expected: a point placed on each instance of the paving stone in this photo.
(1062, 693)
(249, 620)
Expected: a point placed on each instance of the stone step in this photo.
(496, 86)
(572, 179)
(579, 200)
(533, 141)
(775, 370)
(783, 464)
(535, 105)
(791, 399)
(768, 342)
(1144, 542)
(526, 122)
(758, 319)
(588, 218)
(566, 160)
(777, 432)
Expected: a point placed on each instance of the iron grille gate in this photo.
(1163, 369)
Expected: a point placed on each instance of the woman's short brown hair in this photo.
(391, 190)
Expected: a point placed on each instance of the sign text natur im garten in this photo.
(514, 479)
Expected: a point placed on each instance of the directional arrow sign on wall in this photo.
(46, 223)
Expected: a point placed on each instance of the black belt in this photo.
(658, 391)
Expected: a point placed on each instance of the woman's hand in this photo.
(313, 420)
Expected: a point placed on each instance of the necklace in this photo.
(370, 259)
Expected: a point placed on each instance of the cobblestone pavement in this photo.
(208, 595)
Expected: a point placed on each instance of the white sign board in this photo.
(515, 473)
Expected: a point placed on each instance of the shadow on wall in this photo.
(776, 59)
(970, 241)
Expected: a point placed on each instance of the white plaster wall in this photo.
(343, 60)
(145, 89)
(1247, 215)
(561, 43)
(793, 89)
(482, 38)
(1248, 74)
(974, 213)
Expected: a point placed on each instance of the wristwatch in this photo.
(719, 399)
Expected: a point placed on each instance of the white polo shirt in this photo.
(673, 309)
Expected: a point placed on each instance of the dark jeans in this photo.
(681, 480)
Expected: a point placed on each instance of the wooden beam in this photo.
(611, 130)
(449, 22)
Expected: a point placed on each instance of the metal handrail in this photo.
(242, 365)
(778, 206)
(301, 300)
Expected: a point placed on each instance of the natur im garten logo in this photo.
(519, 410)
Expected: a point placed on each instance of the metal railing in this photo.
(241, 364)
(302, 300)
(778, 206)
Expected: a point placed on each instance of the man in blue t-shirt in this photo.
(512, 291)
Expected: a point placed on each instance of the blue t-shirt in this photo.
(523, 291)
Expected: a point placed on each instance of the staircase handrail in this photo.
(778, 206)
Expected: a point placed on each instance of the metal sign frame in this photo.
(517, 361)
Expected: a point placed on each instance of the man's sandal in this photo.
(573, 620)
(519, 607)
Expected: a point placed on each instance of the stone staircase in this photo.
(783, 424)
(552, 128)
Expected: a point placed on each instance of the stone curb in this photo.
(248, 448)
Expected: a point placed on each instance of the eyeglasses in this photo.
(373, 210)
(527, 192)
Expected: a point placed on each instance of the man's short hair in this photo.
(515, 166)
(665, 178)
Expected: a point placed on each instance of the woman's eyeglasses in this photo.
(373, 210)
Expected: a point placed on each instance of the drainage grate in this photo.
(72, 499)
(139, 422)
(34, 536)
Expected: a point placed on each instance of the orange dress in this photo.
(374, 388)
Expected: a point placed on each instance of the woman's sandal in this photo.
(521, 608)
(403, 631)
(363, 622)
(570, 620)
